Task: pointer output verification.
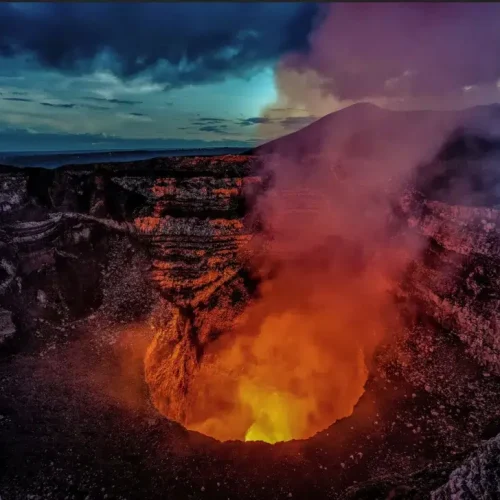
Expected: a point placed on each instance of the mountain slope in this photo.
(451, 155)
(362, 118)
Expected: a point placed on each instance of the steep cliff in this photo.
(180, 221)
(457, 281)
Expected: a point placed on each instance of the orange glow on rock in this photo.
(289, 361)
(292, 365)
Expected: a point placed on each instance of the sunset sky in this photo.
(98, 76)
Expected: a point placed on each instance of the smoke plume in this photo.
(332, 243)
(333, 246)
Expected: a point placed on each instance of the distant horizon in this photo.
(55, 159)
(18, 141)
(30, 144)
(114, 150)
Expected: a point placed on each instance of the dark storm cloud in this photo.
(212, 125)
(113, 101)
(217, 129)
(18, 99)
(59, 105)
(288, 122)
(256, 120)
(207, 121)
(62, 106)
(211, 120)
(404, 49)
(196, 42)
(93, 107)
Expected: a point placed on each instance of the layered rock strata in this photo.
(185, 214)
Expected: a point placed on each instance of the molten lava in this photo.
(274, 413)
(270, 411)
(292, 365)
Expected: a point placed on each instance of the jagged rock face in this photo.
(7, 327)
(173, 227)
(184, 217)
(187, 216)
(477, 477)
(174, 356)
(457, 281)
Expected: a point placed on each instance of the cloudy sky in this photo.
(111, 75)
(179, 75)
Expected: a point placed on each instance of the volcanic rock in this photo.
(477, 477)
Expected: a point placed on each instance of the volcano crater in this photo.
(419, 395)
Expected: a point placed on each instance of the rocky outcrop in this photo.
(183, 216)
(457, 280)
(477, 477)
(7, 328)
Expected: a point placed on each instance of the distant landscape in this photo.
(56, 159)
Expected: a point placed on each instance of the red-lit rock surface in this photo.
(185, 214)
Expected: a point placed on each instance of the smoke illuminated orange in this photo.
(332, 247)
(294, 363)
